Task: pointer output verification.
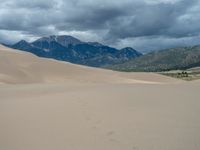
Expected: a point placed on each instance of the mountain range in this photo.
(163, 60)
(70, 49)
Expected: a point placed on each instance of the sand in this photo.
(47, 105)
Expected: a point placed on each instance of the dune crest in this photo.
(22, 67)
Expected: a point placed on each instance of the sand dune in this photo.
(21, 67)
(47, 105)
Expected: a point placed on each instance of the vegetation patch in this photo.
(188, 75)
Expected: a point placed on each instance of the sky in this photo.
(145, 25)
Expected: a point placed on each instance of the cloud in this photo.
(148, 20)
(9, 37)
(119, 23)
(150, 43)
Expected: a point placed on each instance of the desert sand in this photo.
(50, 105)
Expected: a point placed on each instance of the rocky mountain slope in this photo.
(164, 60)
(68, 48)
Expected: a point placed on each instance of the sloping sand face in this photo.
(21, 67)
(48, 105)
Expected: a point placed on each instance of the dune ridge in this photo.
(22, 67)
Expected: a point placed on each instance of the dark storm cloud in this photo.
(119, 23)
(91, 19)
(148, 20)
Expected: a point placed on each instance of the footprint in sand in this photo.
(110, 133)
